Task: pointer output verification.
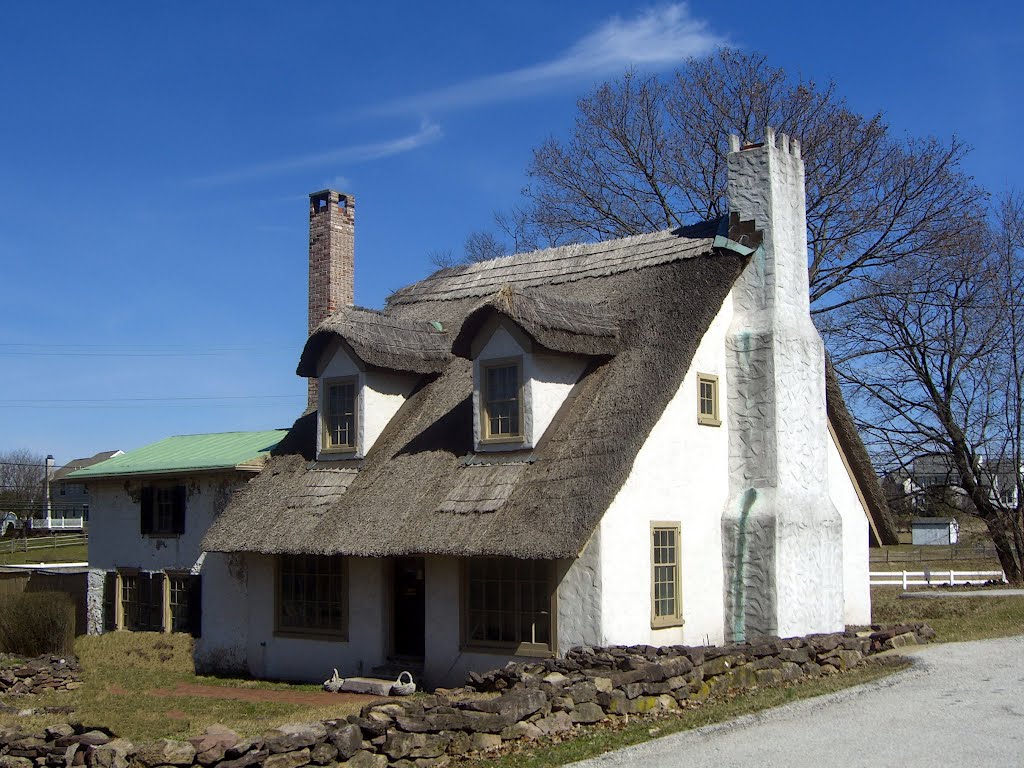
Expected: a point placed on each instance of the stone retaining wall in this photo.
(522, 701)
(45, 673)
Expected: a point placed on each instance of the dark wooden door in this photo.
(408, 607)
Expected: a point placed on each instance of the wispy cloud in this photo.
(658, 38)
(428, 133)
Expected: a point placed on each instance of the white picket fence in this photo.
(929, 578)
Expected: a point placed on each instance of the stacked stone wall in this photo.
(45, 673)
(522, 701)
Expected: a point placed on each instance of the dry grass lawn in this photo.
(122, 670)
(953, 618)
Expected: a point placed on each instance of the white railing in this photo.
(74, 523)
(933, 578)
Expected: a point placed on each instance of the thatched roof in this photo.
(380, 340)
(643, 305)
(883, 531)
(417, 492)
(555, 322)
(569, 263)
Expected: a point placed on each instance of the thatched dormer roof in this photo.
(555, 322)
(380, 340)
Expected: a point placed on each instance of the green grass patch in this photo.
(77, 553)
(127, 677)
(953, 618)
(604, 737)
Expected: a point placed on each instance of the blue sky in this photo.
(155, 162)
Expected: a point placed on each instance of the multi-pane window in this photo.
(665, 598)
(311, 594)
(707, 400)
(151, 601)
(501, 401)
(142, 601)
(340, 417)
(183, 593)
(162, 510)
(509, 603)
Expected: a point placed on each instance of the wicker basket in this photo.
(403, 688)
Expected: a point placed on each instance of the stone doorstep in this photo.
(371, 685)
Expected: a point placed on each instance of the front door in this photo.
(408, 612)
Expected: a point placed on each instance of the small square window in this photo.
(666, 601)
(501, 402)
(162, 510)
(339, 421)
(707, 400)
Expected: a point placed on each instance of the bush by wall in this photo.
(37, 623)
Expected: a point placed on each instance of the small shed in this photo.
(926, 531)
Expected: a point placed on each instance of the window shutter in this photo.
(109, 597)
(146, 516)
(195, 605)
(179, 509)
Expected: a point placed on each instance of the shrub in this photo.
(37, 623)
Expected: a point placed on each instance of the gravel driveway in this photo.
(962, 705)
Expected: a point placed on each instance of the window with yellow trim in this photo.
(339, 418)
(509, 604)
(666, 608)
(501, 400)
(707, 400)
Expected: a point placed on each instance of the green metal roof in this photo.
(188, 453)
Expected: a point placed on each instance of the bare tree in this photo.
(935, 358)
(479, 246)
(648, 153)
(482, 246)
(22, 483)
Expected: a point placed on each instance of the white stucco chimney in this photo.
(782, 536)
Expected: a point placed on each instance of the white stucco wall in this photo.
(856, 583)
(379, 395)
(245, 631)
(223, 645)
(680, 475)
(114, 535)
(547, 379)
(115, 540)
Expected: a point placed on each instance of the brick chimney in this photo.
(782, 535)
(332, 217)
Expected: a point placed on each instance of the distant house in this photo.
(635, 441)
(927, 531)
(932, 484)
(149, 510)
(69, 500)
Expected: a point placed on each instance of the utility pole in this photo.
(46, 491)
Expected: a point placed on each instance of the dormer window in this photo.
(502, 401)
(339, 418)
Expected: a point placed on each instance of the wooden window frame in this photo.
(676, 619)
(149, 505)
(340, 633)
(119, 606)
(325, 399)
(485, 422)
(713, 419)
(536, 650)
(192, 581)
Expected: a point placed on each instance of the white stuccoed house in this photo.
(633, 441)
